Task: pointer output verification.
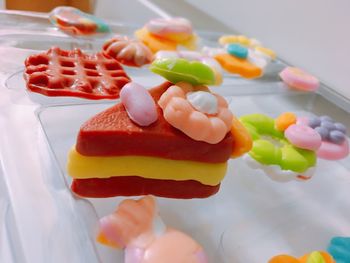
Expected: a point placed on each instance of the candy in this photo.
(243, 141)
(285, 120)
(177, 28)
(298, 79)
(334, 143)
(85, 167)
(177, 69)
(203, 101)
(76, 22)
(128, 51)
(139, 104)
(314, 257)
(192, 55)
(237, 50)
(303, 137)
(198, 125)
(59, 72)
(276, 150)
(137, 227)
(339, 248)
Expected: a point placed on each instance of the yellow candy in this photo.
(230, 39)
(266, 51)
(83, 167)
(285, 120)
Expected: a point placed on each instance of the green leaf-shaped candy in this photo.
(315, 257)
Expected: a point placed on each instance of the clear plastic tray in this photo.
(251, 219)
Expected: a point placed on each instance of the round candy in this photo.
(328, 125)
(336, 136)
(139, 104)
(333, 151)
(314, 122)
(326, 118)
(203, 101)
(298, 79)
(303, 136)
(237, 50)
(323, 132)
(340, 127)
(285, 120)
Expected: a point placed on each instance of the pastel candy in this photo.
(237, 50)
(340, 127)
(336, 136)
(339, 248)
(303, 137)
(314, 122)
(333, 151)
(298, 79)
(139, 104)
(203, 101)
(323, 131)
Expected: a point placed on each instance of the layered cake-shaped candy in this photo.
(172, 141)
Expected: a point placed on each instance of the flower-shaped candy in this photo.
(314, 257)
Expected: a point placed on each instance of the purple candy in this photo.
(340, 127)
(314, 122)
(336, 136)
(326, 118)
(323, 132)
(328, 125)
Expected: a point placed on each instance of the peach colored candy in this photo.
(299, 79)
(303, 136)
(243, 141)
(285, 120)
(180, 113)
(137, 227)
(127, 51)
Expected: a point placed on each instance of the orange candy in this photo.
(238, 66)
(153, 42)
(285, 120)
(304, 259)
(242, 142)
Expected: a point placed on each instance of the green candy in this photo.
(315, 257)
(281, 152)
(178, 69)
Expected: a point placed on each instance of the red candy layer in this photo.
(73, 73)
(112, 133)
(134, 185)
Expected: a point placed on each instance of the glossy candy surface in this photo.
(314, 257)
(339, 248)
(177, 70)
(60, 72)
(73, 21)
(237, 50)
(299, 79)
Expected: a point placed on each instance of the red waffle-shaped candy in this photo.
(60, 72)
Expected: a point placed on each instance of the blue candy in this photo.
(336, 136)
(328, 125)
(340, 127)
(237, 50)
(339, 248)
(323, 132)
(326, 118)
(314, 122)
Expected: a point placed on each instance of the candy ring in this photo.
(137, 227)
(274, 154)
(303, 137)
(299, 79)
(197, 112)
(127, 51)
(194, 56)
(334, 144)
(177, 69)
(314, 257)
(177, 29)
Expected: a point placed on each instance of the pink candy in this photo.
(333, 151)
(298, 79)
(303, 136)
(139, 104)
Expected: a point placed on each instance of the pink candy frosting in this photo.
(139, 104)
(303, 136)
(298, 79)
(134, 226)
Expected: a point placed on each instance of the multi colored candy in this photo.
(282, 155)
(73, 21)
(314, 257)
(334, 142)
(127, 51)
(137, 228)
(299, 79)
(167, 34)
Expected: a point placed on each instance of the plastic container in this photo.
(251, 219)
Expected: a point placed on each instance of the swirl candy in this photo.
(194, 56)
(290, 154)
(76, 22)
(128, 51)
(201, 115)
(137, 227)
(299, 79)
(314, 257)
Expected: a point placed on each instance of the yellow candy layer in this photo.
(266, 51)
(83, 167)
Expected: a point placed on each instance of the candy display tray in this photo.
(250, 220)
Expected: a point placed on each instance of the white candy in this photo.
(203, 101)
(258, 58)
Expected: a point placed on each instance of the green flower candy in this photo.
(178, 69)
(270, 147)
